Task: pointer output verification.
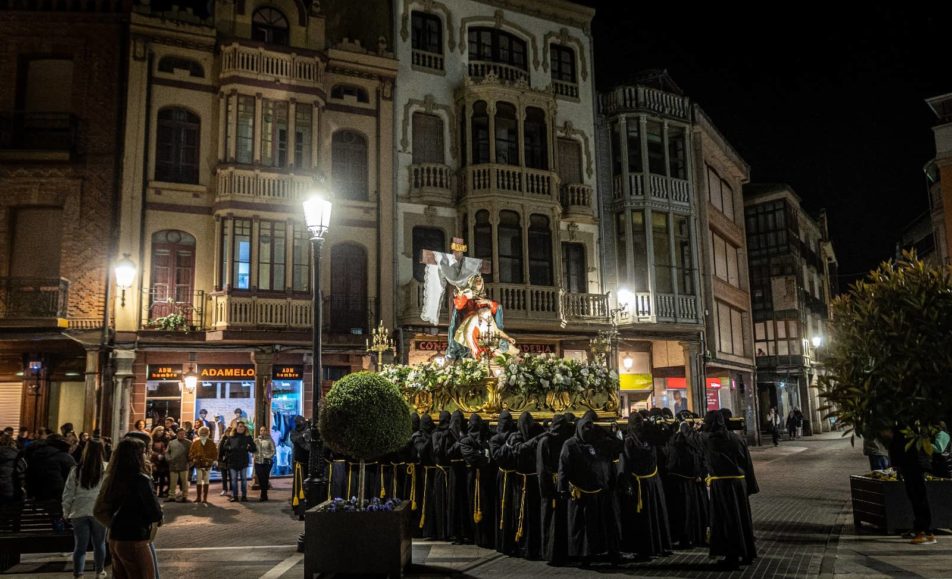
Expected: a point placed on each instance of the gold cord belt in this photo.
(477, 503)
(711, 479)
(502, 505)
(522, 505)
(426, 476)
(411, 472)
(638, 479)
(576, 492)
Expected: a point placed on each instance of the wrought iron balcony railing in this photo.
(174, 311)
(24, 299)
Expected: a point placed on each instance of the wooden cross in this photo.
(458, 247)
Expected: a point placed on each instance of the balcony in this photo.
(427, 60)
(577, 200)
(643, 186)
(183, 311)
(645, 99)
(675, 308)
(565, 89)
(585, 307)
(432, 183)
(259, 63)
(348, 314)
(492, 179)
(253, 185)
(33, 302)
(43, 136)
(504, 72)
(253, 312)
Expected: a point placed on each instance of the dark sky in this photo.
(830, 102)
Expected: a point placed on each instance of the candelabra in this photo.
(381, 342)
(488, 341)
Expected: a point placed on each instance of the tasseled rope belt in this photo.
(638, 479)
(502, 505)
(576, 492)
(522, 504)
(426, 478)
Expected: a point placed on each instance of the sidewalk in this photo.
(802, 520)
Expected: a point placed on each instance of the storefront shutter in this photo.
(10, 393)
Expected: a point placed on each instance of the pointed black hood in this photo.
(585, 427)
(444, 420)
(426, 424)
(477, 426)
(456, 423)
(561, 426)
(526, 424)
(414, 421)
(714, 422)
(505, 423)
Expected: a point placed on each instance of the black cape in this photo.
(481, 481)
(524, 503)
(555, 522)
(505, 483)
(436, 481)
(684, 489)
(732, 529)
(644, 514)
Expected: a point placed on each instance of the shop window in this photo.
(563, 63)
(570, 161)
(347, 310)
(494, 45)
(274, 133)
(425, 238)
(177, 146)
(507, 134)
(349, 166)
(677, 160)
(427, 32)
(272, 248)
(540, 250)
(480, 133)
(270, 26)
(574, 269)
(655, 139)
(536, 139)
(509, 237)
(427, 139)
(170, 64)
(342, 91)
(302, 136)
(173, 274)
(483, 236)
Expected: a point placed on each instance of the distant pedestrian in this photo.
(79, 497)
(48, 467)
(876, 452)
(160, 463)
(178, 467)
(66, 429)
(23, 440)
(941, 453)
(911, 466)
(12, 468)
(202, 455)
(791, 425)
(129, 506)
(798, 422)
(264, 458)
(301, 454)
(236, 450)
(223, 459)
(773, 423)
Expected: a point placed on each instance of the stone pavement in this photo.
(801, 516)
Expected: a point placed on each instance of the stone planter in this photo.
(884, 504)
(357, 543)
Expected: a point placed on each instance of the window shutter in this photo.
(570, 161)
(427, 139)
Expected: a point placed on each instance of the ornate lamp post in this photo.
(317, 216)
(381, 342)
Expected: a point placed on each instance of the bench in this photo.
(26, 527)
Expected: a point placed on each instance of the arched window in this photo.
(540, 250)
(494, 45)
(177, 153)
(173, 274)
(172, 63)
(347, 307)
(480, 133)
(509, 235)
(536, 137)
(349, 165)
(563, 63)
(427, 139)
(483, 238)
(425, 238)
(507, 135)
(269, 25)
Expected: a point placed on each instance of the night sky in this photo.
(828, 101)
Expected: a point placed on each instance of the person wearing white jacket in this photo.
(79, 497)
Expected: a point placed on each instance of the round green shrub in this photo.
(364, 417)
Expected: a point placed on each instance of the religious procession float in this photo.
(483, 370)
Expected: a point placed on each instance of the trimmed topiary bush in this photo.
(364, 416)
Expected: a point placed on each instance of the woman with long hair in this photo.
(79, 497)
(128, 502)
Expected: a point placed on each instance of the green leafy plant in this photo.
(364, 417)
(889, 362)
(173, 322)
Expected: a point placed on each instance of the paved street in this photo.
(802, 517)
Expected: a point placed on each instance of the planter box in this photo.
(884, 504)
(359, 543)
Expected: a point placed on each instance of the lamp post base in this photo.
(315, 491)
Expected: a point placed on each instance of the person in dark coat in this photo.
(415, 476)
(433, 506)
(731, 481)
(644, 514)
(684, 488)
(459, 513)
(519, 454)
(441, 482)
(12, 467)
(505, 483)
(587, 477)
(912, 464)
(481, 481)
(48, 467)
(301, 456)
(554, 507)
(236, 450)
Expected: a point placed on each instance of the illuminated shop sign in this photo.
(288, 373)
(164, 372)
(211, 371)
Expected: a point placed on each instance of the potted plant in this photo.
(363, 416)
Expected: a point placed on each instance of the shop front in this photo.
(286, 393)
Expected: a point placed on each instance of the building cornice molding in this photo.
(567, 13)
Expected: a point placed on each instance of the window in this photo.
(425, 238)
(270, 26)
(301, 259)
(574, 270)
(720, 193)
(274, 133)
(507, 135)
(683, 259)
(427, 32)
(302, 136)
(655, 148)
(509, 236)
(272, 247)
(176, 154)
(621, 234)
(427, 139)
(342, 91)
(173, 274)
(778, 338)
(480, 133)
(349, 165)
(540, 250)
(348, 309)
(730, 331)
(726, 260)
(662, 253)
(492, 45)
(172, 63)
(47, 86)
(245, 132)
(37, 244)
(635, 164)
(616, 149)
(639, 250)
(563, 63)
(570, 161)
(241, 254)
(536, 137)
(483, 237)
(677, 162)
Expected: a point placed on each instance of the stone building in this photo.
(60, 114)
(939, 171)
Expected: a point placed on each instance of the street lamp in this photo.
(817, 341)
(125, 270)
(628, 362)
(190, 379)
(317, 217)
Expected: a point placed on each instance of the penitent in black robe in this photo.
(555, 522)
(432, 505)
(481, 481)
(587, 475)
(505, 483)
(459, 521)
(436, 482)
(684, 489)
(644, 514)
(732, 481)
(519, 453)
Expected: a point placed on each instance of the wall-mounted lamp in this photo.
(190, 379)
(125, 270)
(627, 362)
(817, 341)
